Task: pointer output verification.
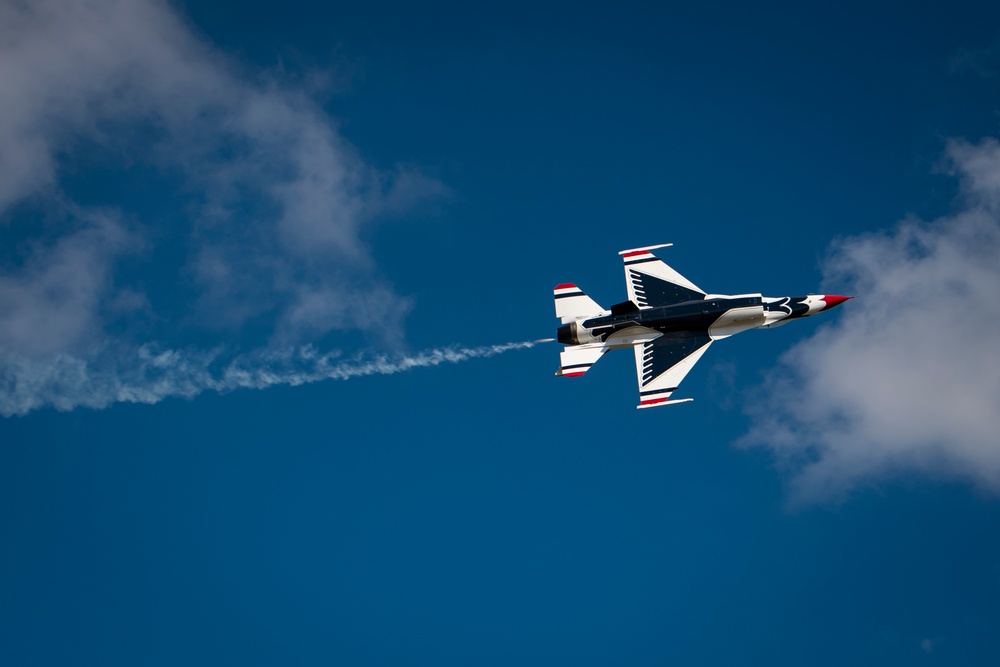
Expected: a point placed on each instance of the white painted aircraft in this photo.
(668, 321)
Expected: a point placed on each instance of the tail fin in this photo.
(572, 303)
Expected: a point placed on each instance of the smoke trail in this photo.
(149, 374)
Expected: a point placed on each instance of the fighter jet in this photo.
(668, 321)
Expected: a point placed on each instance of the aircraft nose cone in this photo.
(832, 300)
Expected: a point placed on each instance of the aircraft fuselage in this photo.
(716, 316)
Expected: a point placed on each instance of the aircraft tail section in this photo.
(576, 360)
(572, 303)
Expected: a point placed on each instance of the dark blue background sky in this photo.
(488, 512)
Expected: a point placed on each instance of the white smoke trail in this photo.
(149, 375)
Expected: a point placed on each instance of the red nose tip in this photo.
(832, 300)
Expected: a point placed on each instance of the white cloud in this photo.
(271, 203)
(57, 299)
(905, 378)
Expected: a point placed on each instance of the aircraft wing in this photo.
(661, 364)
(651, 283)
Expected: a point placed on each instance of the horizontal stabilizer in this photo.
(572, 303)
(656, 404)
(577, 359)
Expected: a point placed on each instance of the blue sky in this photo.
(207, 207)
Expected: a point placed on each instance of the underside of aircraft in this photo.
(668, 321)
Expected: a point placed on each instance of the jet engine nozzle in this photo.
(574, 333)
(566, 334)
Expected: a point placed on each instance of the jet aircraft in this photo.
(668, 322)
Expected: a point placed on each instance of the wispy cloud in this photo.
(983, 61)
(269, 204)
(906, 379)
